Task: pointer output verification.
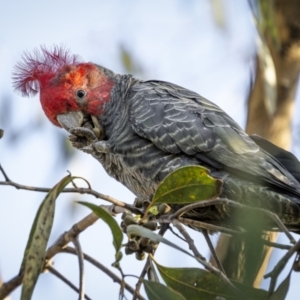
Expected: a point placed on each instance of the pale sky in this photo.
(177, 41)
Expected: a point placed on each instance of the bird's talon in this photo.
(73, 138)
(84, 132)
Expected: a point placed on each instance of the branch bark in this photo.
(235, 253)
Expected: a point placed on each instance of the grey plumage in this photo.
(155, 127)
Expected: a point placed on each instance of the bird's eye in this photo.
(80, 93)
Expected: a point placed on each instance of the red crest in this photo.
(35, 68)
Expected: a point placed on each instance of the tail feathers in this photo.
(285, 158)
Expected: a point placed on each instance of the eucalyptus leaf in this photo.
(154, 237)
(185, 185)
(158, 291)
(282, 289)
(194, 283)
(34, 255)
(113, 225)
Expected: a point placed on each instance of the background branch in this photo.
(67, 282)
(275, 127)
(81, 266)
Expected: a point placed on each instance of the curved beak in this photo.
(70, 120)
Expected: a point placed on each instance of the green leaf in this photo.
(195, 283)
(157, 291)
(113, 225)
(34, 255)
(282, 289)
(187, 185)
(1, 133)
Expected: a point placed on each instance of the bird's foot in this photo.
(83, 138)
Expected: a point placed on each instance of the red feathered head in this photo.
(65, 84)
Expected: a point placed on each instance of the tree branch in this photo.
(98, 265)
(67, 282)
(81, 266)
(203, 261)
(137, 295)
(88, 191)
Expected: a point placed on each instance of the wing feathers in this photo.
(178, 120)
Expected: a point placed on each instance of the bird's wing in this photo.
(177, 120)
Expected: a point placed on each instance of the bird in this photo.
(143, 130)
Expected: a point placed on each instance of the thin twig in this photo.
(69, 235)
(70, 190)
(137, 295)
(212, 250)
(4, 174)
(151, 274)
(81, 266)
(276, 245)
(234, 204)
(207, 226)
(203, 261)
(97, 264)
(7, 287)
(188, 239)
(279, 267)
(138, 285)
(176, 234)
(66, 281)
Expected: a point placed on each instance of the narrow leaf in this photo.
(187, 185)
(113, 225)
(282, 289)
(157, 291)
(195, 283)
(34, 256)
(149, 234)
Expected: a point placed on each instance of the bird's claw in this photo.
(82, 138)
(85, 139)
(84, 132)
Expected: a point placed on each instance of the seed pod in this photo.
(152, 225)
(123, 227)
(149, 249)
(144, 242)
(126, 213)
(140, 255)
(129, 220)
(163, 209)
(128, 251)
(133, 245)
(138, 202)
